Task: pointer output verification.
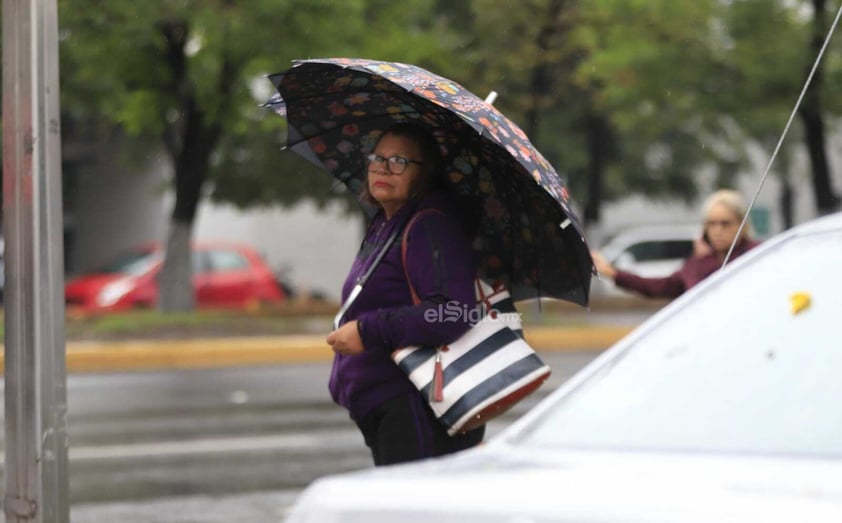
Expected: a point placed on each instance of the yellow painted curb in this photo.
(199, 353)
(228, 352)
(574, 339)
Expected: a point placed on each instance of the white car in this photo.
(651, 251)
(723, 406)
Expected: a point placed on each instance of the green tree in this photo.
(634, 97)
(771, 48)
(188, 74)
(621, 96)
(732, 72)
(813, 115)
(529, 56)
(607, 89)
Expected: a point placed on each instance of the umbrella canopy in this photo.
(527, 234)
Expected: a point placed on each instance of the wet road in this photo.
(251, 436)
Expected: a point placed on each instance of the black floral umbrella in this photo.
(527, 235)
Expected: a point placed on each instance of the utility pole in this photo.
(36, 383)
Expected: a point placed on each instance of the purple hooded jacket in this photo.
(441, 267)
(695, 269)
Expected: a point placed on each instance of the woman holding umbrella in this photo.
(403, 178)
(516, 210)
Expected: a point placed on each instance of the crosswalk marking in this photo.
(342, 438)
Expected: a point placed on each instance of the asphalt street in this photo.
(231, 429)
(213, 445)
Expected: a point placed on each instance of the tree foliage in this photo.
(188, 73)
(622, 96)
(637, 96)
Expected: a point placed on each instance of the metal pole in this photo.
(36, 383)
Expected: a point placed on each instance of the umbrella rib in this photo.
(367, 118)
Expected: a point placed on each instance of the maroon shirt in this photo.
(694, 270)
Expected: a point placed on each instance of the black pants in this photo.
(405, 429)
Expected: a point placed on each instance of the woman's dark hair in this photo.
(431, 176)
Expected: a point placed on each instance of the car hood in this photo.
(504, 484)
(90, 284)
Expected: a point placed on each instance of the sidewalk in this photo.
(223, 352)
(571, 329)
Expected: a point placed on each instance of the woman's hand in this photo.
(701, 247)
(346, 340)
(603, 267)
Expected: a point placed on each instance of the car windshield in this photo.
(131, 263)
(752, 363)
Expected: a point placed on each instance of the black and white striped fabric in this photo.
(485, 372)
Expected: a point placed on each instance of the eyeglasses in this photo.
(720, 223)
(392, 164)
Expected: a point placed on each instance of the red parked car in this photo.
(225, 275)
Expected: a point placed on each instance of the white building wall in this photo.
(315, 247)
(114, 210)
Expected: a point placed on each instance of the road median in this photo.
(146, 355)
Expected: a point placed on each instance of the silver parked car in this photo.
(652, 251)
(723, 406)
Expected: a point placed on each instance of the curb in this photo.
(136, 355)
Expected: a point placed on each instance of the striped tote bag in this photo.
(482, 374)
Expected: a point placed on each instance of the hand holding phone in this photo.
(702, 246)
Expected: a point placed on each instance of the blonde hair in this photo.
(731, 200)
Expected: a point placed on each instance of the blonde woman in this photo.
(724, 210)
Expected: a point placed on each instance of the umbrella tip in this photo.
(565, 223)
(491, 97)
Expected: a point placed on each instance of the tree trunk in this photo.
(826, 199)
(176, 293)
(541, 81)
(786, 199)
(597, 137)
(190, 141)
(811, 115)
